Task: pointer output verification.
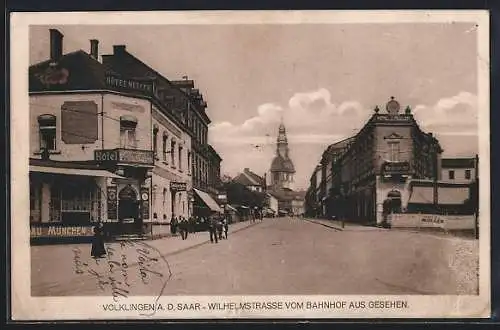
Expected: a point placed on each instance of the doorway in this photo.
(128, 210)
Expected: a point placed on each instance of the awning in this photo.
(73, 171)
(229, 207)
(446, 195)
(208, 200)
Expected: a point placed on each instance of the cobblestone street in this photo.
(276, 256)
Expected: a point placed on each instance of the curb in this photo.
(324, 225)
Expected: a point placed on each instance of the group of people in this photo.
(218, 227)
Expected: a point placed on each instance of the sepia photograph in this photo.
(238, 165)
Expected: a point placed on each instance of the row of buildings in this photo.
(114, 140)
(376, 171)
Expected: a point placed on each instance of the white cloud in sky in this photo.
(313, 122)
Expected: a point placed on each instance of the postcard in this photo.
(260, 164)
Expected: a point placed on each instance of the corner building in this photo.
(375, 165)
(110, 141)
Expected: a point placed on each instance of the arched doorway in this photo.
(128, 206)
(394, 198)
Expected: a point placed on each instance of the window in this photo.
(155, 141)
(180, 158)
(189, 162)
(47, 125)
(451, 175)
(165, 138)
(164, 197)
(467, 174)
(172, 152)
(128, 125)
(394, 151)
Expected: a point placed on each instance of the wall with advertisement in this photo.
(446, 222)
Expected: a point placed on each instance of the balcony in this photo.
(125, 156)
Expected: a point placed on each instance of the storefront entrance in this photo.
(128, 211)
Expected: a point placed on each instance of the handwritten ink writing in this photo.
(145, 263)
(77, 261)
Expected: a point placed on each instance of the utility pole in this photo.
(435, 175)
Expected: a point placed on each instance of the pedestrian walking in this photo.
(226, 227)
(219, 227)
(183, 228)
(98, 250)
(212, 230)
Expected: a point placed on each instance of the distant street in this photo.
(282, 256)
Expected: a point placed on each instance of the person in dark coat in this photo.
(226, 227)
(98, 249)
(183, 228)
(212, 228)
(220, 227)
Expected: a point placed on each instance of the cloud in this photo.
(313, 121)
(456, 115)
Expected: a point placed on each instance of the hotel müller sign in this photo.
(144, 157)
(143, 86)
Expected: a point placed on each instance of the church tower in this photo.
(282, 169)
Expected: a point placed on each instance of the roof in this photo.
(249, 178)
(73, 71)
(281, 164)
(458, 162)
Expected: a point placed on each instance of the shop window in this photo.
(467, 174)
(35, 202)
(451, 175)
(128, 126)
(394, 151)
(47, 127)
(165, 139)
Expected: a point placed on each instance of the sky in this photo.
(322, 80)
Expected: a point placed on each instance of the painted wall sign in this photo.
(129, 84)
(53, 76)
(61, 231)
(79, 122)
(112, 202)
(447, 222)
(178, 186)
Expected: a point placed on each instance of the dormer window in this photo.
(47, 126)
(128, 126)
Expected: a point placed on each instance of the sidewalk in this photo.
(55, 264)
(348, 226)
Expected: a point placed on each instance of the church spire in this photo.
(282, 139)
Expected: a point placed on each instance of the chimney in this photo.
(94, 49)
(56, 46)
(119, 49)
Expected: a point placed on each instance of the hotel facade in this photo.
(359, 175)
(113, 141)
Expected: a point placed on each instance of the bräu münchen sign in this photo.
(61, 231)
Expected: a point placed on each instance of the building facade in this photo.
(369, 171)
(459, 170)
(110, 141)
